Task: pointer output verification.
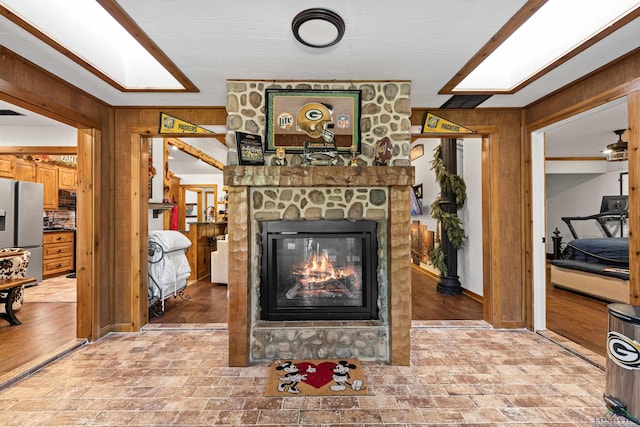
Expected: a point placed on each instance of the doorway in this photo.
(50, 313)
(190, 169)
(469, 305)
(570, 175)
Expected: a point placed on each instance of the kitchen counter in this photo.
(57, 230)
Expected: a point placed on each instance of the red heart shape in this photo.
(322, 376)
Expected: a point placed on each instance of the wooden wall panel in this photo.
(611, 82)
(130, 202)
(502, 170)
(634, 195)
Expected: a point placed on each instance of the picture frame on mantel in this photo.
(250, 149)
(296, 116)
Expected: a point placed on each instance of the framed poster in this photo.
(250, 150)
(294, 117)
(190, 210)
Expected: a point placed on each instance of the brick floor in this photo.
(459, 375)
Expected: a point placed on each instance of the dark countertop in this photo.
(57, 230)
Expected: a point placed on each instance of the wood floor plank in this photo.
(45, 326)
(428, 304)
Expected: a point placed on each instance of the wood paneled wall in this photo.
(504, 289)
(30, 86)
(115, 247)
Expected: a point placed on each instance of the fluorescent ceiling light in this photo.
(86, 32)
(557, 28)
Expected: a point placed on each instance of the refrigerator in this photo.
(21, 212)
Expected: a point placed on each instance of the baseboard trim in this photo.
(427, 272)
(473, 296)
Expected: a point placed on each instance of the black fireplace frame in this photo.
(272, 231)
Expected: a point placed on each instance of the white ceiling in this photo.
(425, 42)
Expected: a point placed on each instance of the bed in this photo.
(594, 266)
(168, 268)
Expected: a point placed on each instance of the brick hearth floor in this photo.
(463, 373)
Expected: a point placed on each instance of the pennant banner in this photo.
(169, 124)
(435, 124)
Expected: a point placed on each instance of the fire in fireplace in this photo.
(319, 270)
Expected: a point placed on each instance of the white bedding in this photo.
(169, 275)
(170, 240)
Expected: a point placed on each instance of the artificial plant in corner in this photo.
(450, 183)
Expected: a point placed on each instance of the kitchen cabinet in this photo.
(7, 166)
(201, 235)
(67, 179)
(58, 253)
(25, 170)
(48, 176)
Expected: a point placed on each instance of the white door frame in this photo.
(538, 229)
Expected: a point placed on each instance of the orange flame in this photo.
(318, 270)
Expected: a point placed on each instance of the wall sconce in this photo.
(318, 27)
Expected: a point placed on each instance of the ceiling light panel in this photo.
(86, 29)
(558, 27)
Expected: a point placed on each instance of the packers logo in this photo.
(623, 351)
(168, 122)
(432, 122)
(314, 114)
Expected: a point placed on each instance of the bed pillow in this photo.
(169, 240)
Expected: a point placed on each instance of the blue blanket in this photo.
(607, 250)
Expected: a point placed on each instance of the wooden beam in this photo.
(42, 149)
(195, 152)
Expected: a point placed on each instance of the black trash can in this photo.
(623, 356)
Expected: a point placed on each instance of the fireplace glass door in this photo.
(318, 270)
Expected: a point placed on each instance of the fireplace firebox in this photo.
(319, 270)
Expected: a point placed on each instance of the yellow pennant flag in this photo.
(169, 124)
(435, 124)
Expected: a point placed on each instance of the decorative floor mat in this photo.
(316, 377)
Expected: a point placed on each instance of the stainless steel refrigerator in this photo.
(21, 212)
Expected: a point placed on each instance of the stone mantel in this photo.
(318, 176)
(241, 182)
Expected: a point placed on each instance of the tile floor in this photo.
(460, 374)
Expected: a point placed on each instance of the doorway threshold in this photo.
(574, 348)
(450, 324)
(30, 368)
(184, 327)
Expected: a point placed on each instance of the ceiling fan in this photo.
(617, 150)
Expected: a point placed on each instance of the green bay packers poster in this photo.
(295, 117)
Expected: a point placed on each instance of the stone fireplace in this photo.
(259, 196)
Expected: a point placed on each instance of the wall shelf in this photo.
(159, 207)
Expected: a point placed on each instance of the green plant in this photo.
(450, 222)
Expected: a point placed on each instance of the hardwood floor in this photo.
(428, 304)
(48, 325)
(207, 304)
(45, 327)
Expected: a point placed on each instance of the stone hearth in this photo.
(260, 193)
